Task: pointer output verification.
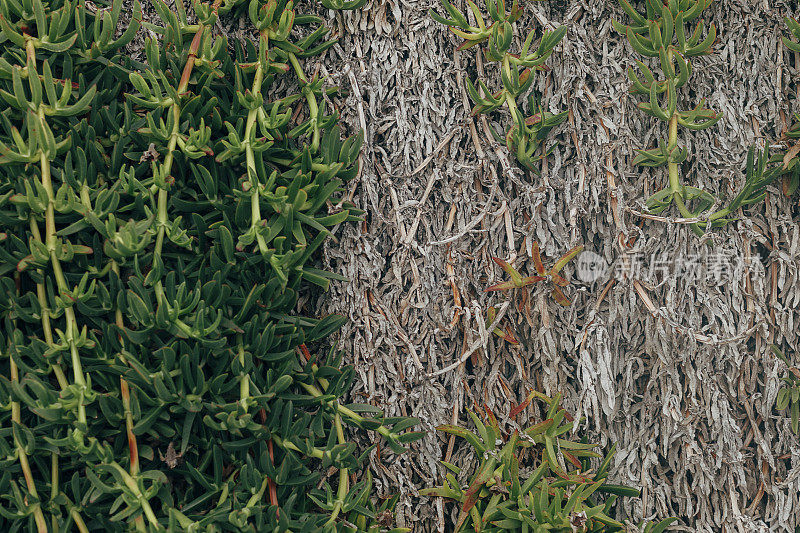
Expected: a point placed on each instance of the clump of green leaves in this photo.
(789, 393)
(517, 281)
(526, 132)
(536, 480)
(661, 33)
(160, 223)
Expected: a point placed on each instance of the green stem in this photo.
(51, 240)
(252, 175)
(344, 411)
(512, 107)
(675, 186)
(45, 312)
(511, 99)
(54, 489)
(344, 482)
(316, 453)
(313, 110)
(76, 516)
(126, 398)
(161, 203)
(316, 167)
(71, 328)
(133, 447)
(244, 381)
(166, 168)
(41, 524)
(674, 180)
(27, 474)
(130, 482)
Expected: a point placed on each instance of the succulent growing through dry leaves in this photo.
(661, 33)
(529, 128)
(565, 490)
(789, 393)
(517, 281)
(505, 334)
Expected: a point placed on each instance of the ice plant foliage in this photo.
(789, 393)
(536, 480)
(497, 35)
(505, 334)
(661, 33)
(159, 224)
(517, 281)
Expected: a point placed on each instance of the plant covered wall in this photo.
(160, 219)
(159, 213)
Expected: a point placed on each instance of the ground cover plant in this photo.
(660, 33)
(161, 367)
(529, 127)
(159, 222)
(534, 479)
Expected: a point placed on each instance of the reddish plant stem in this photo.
(273, 488)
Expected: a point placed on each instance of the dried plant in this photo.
(517, 281)
(526, 132)
(534, 480)
(161, 220)
(788, 161)
(660, 33)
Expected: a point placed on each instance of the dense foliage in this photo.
(159, 220)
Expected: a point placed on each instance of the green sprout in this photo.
(517, 281)
(527, 132)
(789, 393)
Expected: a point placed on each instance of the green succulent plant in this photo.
(526, 133)
(159, 223)
(557, 491)
(661, 33)
(517, 281)
(789, 393)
